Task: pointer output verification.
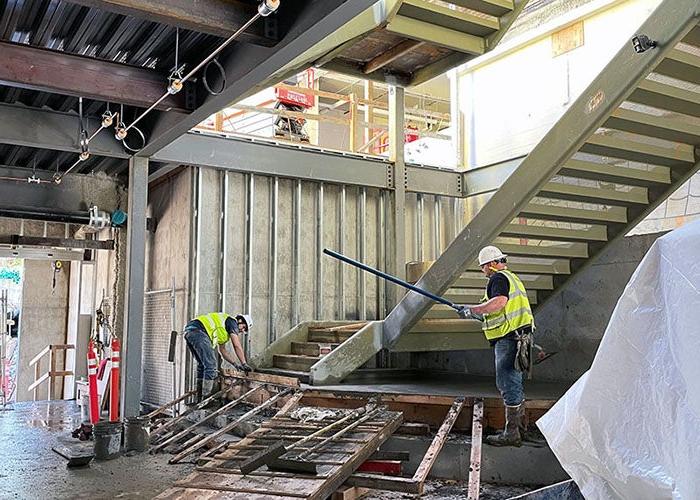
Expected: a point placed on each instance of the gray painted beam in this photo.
(23, 126)
(667, 25)
(134, 291)
(276, 160)
(250, 68)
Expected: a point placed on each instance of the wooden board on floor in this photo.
(335, 462)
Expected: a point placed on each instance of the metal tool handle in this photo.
(391, 278)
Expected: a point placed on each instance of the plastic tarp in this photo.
(630, 426)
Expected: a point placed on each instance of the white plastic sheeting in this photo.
(630, 427)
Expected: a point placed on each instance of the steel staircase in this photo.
(621, 149)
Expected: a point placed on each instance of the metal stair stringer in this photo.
(667, 25)
(522, 179)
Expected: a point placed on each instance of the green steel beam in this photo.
(557, 190)
(579, 215)
(563, 250)
(680, 65)
(616, 173)
(445, 17)
(478, 280)
(593, 233)
(671, 20)
(666, 97)
(444, 37)
(682, 155)
(495, 8)
(649, 125)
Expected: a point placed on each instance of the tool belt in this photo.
(523, 356)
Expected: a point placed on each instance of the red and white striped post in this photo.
(92, 384)
(114, 382)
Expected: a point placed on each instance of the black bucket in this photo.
(108, 440)
(136, 434)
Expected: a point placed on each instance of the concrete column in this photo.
(134, 292)
(396, 156)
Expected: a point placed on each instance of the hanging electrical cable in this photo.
(84, 140)
(176, 84)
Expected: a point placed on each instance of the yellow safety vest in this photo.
(516, 314)
(215, 325)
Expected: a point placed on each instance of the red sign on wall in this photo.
(293, 97)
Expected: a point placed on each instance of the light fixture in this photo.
(642, 43)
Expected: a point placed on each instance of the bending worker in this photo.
(508, 324)
(204, 335)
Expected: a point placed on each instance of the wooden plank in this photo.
(171, 403)
(228, 427)
(264, 378)
(165, 442)
(475, 461)
(378, 482)
(339, 476)
(391, 55)
(273, 486)
(438, 442)
(349, 493)
(203, 494)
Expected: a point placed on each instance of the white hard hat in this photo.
(247, 318)
(489, 254)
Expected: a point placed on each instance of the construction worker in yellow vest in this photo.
(208, 333)
(508, 324)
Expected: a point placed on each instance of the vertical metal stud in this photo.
(381, 254)
(319, 252)
(456, 223)
(224, 242)
(362, 251)
(420, 206)
(272, 300)
(296, 250)
(198, 244)
(250, 199)
(437, 242)
(341, 249)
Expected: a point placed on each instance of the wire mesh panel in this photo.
(157, 380)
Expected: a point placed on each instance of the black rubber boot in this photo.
(510, 436)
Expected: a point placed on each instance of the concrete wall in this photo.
(571, 323)
(43, 321)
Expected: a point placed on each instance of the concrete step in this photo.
(310, 348)
(294, 362)
(474, 295)
(447, 326)
(553, 211)
(330, 337)
(478, 280)
(681, 155)
(634, 196)
(564, 250)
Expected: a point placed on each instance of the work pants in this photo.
(199, 344)
(509, 381)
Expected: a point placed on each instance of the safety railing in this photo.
(363, 123)
(52, 373)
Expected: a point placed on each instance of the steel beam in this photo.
(397, 156)
(276, 160)
(491, 7)
(667, 25)
(80, 76)
(318, 28)
(134, 290)
(65, 202)
(214, 17)
(437, 35)
(22, 126)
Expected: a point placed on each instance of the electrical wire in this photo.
(190, 74)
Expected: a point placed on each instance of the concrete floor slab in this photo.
(29, 469)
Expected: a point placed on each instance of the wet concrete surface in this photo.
(452, 490)
(447, 384)
(29, 469)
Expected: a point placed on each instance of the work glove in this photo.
(465, 312)
(246, 368)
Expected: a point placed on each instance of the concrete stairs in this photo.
(296, 353)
